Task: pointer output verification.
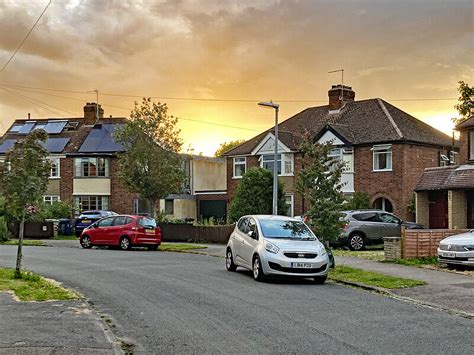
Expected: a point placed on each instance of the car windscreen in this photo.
(147, 222)
(285, 229)
(90, 214)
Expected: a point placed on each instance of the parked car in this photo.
(276, 246)
(457, 249)
(123, 231)
(364, 227)
(86, 218)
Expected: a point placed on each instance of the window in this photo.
(55, 171)
(367, 217)
(243, 225)
(106, 222)
(239, 166)
(453, 157)
(91, 202)
(92, 167)
(122, 220)
(443, 160)
(289, 204)
(252, 227)
(382, 157)
(383, 204)
(169, 206)
(285, 163)
(471, 145)
(142, 207)
(50, 199)
(388, 218)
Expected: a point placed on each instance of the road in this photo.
(185, 303)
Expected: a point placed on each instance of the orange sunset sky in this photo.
(212, 61)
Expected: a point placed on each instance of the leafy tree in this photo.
(225, 147)
(24, 179)
(254, 195)
(151, 165)
(4, 235)
(56, 210)
(319, 181)
(465, 106)
(358, 201)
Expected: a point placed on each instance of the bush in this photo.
(56, 210)
(359, 200)
(4, 233)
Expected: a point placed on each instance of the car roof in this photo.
(272, 217)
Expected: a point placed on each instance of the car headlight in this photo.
(272, 248)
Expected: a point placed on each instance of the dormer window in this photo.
(443, 160)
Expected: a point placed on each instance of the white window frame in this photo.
(379, 150)
(471, 145)
(291, 204)
(50, 199)
(453, 157)
(57, 162)
(235, 163)
(78, 167)
(284, 158)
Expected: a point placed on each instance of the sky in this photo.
(212, 61)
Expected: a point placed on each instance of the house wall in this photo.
(464, 147)
(53, 187)
(208, 175)
(121, 199)
(422, 202)
(457, 209)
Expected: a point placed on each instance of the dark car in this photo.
(124, 231)
(364, 227)
(88, 217)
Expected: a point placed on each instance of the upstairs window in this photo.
(346, 156)
(54, 172)
(92, 167)
(239, 166)
(471, 145)
(285, 163)
(382, 157)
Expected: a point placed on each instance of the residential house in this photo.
(445, 195)
(85, 166)
(385, 150)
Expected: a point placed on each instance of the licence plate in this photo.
(448, 254)
(149, 231)
(86, 221)
(302, 265)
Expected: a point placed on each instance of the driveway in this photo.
(188, 303)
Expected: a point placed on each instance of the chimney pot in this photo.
(339, 95)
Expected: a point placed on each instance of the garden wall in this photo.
(198, 234)
(421, 243)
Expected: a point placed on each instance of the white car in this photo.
(457, 249)
(276, 245)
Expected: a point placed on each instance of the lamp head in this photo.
(269, 104)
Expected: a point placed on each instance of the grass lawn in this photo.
(179, 247)
(348, 274)
(32, 287)
(26, 242)
(374, 255)
(65, 237)
(433, 260)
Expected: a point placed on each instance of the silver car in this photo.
(276, 245)
(457, 249)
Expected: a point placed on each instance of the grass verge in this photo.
(26, 242)
(65, 237)
(433, 260)
(177, 247)
(374, 255)
(370, 278)
(32, 287)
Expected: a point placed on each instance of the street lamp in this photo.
(275, 155)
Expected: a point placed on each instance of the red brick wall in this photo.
(464, 147)
(121, 199)
(67, 176)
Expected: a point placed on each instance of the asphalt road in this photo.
(186, 303)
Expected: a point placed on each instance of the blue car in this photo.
(87, 218)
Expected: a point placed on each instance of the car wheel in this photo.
(258, 274)
(86, 242)
(356, 242)
(125, 243)
(229, 261)
(319, 280)
(153, 247)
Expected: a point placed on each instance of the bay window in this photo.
(284, 163)
(86, 203)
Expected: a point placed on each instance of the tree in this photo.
(254, 195)
(359, 200)
(465, 106)
(24, 179)
(319, 182)
(151, 164)
(226, 146)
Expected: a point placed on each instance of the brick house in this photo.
(445, 195)
(85, 167)
(385, 149)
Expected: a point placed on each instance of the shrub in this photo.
(359, 200)
(4, 234)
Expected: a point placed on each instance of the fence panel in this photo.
(421, 243)
(197, 234)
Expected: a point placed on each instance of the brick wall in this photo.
(464, 146)
(121, 199)
(67, 176)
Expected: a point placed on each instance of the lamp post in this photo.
(275, 155)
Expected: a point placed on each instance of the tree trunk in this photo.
(153, 207)
(19, 255)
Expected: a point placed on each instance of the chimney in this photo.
(339, 95)
(90, 113)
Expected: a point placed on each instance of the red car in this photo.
(123, 231)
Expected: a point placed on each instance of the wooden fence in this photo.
(422, 243)
(198, 234)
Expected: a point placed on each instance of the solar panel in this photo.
(56, 145)
(54, 127)
(100, 139)
(6, 145)
(15, 128)
(27, 127)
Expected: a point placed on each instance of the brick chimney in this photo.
(338, 97)
(90, 113)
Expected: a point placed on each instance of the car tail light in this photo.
(345, 225)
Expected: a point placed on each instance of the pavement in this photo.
(75, 327)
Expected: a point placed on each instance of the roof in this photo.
(447, 178)
(67, 135)
(469, 123)
(359, 122)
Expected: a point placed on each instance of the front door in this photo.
(438, 201)
(470, 208)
